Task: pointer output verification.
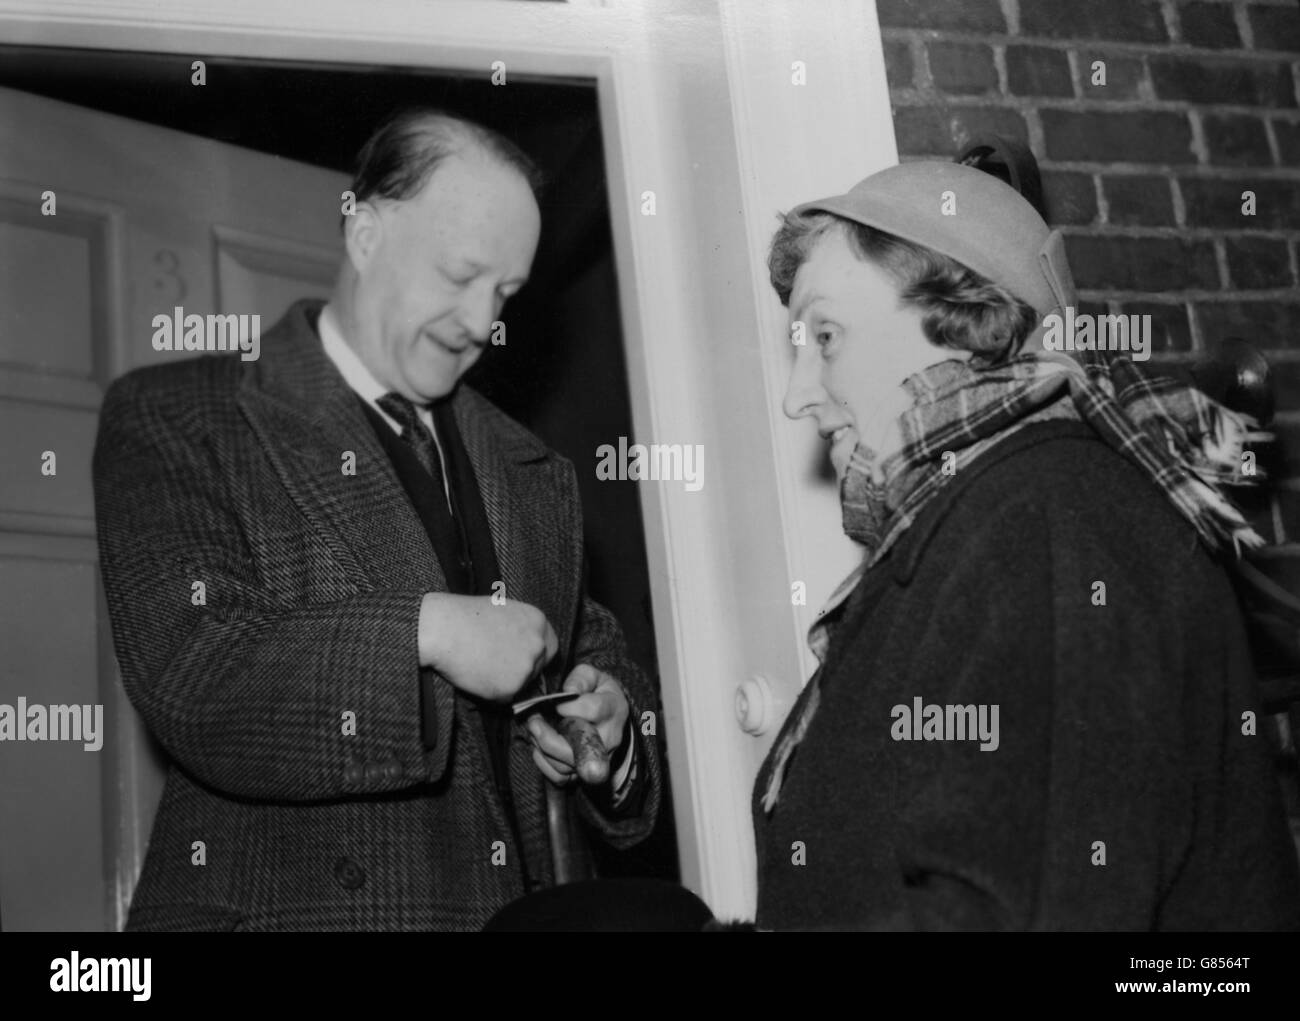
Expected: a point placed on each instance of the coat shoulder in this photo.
(1081, 488)
(1057, 503)
(190, 383)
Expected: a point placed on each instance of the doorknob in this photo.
(756, 706)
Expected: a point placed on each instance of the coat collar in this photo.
(309, 423)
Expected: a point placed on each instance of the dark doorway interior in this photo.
(562, 371)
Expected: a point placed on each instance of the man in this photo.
(330, 570)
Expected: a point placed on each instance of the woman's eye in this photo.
(824, 337)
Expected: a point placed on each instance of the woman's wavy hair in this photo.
(962, 309)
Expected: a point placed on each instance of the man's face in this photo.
(435, 270)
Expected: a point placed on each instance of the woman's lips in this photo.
(843, 440)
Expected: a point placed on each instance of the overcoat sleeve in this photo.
(599, 642)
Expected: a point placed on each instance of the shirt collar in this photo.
(354, 370)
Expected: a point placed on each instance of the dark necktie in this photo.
(416, 436)
(453, 548)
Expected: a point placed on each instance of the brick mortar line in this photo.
(1011, 10)
(1200, 146)
(1173, 23)
(1103, 201)
(1244, 28)
(1216, 172)
(1072, 62)
(915, 97)
(1203, 171)
(1037, 134)
(1274, 147)
(1196, 334)
(1110, 46)
(1157, 233)
(1271, 296)
(1221, 259)
(1000, 69)
(921, 72)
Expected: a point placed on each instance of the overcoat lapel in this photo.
(307, 418)
(536, 528)
(537, 535)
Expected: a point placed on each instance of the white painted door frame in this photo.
(698, 105)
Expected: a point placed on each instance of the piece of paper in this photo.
(541, 702)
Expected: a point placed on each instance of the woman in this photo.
(1030, 707)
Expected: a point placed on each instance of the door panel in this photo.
(146, 219)
(52, 855)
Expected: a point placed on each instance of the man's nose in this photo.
(804, 390)
(478, 311)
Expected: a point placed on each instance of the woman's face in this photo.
(860, 345)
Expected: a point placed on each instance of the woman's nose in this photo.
(804, 390)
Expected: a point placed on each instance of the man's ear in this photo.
(363, 232)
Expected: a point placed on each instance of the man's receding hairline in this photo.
(462, 133)
(469, 140)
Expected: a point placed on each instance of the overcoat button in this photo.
(349, 874)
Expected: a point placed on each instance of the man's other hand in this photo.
(484, 649)
(602, 703)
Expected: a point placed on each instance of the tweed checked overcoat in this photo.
(259, 594)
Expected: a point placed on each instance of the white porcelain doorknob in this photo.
(756, 708)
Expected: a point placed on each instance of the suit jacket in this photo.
(1123, 792)
(264, 571)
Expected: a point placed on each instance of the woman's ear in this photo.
(363, 233)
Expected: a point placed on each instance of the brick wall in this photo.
(1144, 173)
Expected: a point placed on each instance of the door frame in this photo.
(683, 86)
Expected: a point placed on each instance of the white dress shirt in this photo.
(369, 389)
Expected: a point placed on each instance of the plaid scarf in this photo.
(1188, 444)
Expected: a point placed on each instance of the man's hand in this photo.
(482, 648)
(603, 704)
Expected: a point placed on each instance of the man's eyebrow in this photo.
(478, 267)
(808, 299)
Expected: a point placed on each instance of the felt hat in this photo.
(968, 215)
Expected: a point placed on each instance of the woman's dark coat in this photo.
(1124, 792)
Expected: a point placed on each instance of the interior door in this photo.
(105, 223)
